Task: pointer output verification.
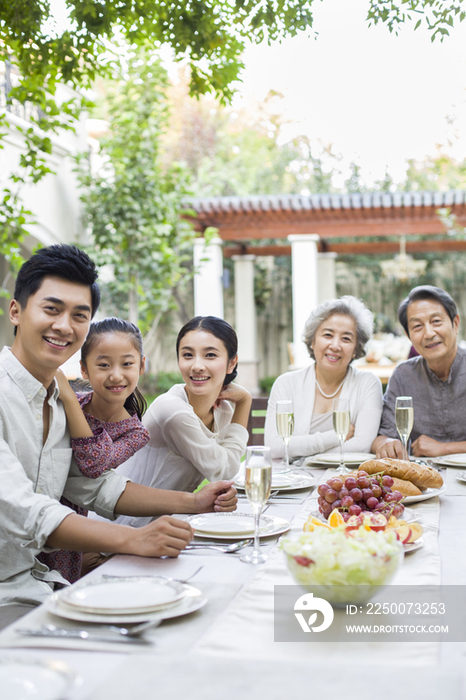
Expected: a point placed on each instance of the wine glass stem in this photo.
(342, 462)
(405, 448)
(257, 515)
(287, 456)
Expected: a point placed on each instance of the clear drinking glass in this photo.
(404, 419)
(341, 425)
(285, 424)
(257, 486)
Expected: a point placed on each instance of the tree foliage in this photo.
(438, 172)
(132, 204)
(241, 150)
(437, 15)
(210, 34)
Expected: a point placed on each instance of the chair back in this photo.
(256, 421)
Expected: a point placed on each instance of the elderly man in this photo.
(436, 379)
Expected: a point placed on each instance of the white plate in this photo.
(413, 546)
(461, 477)
(34, 679)
(279, 525)
(424, 496)
(192, 600)
(221, 524)
(286, 482)
(126, 594)
(351, 458)
(456, 460)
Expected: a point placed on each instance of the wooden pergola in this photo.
(243, 219)
(308, 227)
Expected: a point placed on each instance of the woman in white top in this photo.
(336, 333)
(197, 429)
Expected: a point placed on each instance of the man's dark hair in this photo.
(426, 291)
(64, 261)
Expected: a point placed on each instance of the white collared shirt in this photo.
(182, 451)
(34, 476)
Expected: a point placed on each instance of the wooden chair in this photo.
(256, 421)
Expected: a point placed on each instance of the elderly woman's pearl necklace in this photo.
(329, 396)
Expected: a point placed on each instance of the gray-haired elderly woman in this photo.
(336, 333)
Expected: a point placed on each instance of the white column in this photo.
(246, 322)
(208, 278)
(305, 289)
(326, 275)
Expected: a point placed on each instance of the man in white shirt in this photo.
(56, 296)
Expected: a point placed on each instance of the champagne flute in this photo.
(404, 419)
(341, 425)
(285, 424)
(257, 486)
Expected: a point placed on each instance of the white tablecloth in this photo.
(227, 647)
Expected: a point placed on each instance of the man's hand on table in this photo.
(166, 536)
(428, 447)
(423, 446)
(218, 496)
(386, 447)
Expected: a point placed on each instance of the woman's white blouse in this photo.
(364, 391)
(182, 452)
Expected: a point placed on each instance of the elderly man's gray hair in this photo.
(345, 306)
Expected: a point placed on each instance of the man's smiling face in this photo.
(432, 332)
(52, 326)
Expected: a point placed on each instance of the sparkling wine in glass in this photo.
(258, 484)
(404, 419)
(285, 424)
(341, 425)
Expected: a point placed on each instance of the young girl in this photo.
(197, 429)
(105, 424)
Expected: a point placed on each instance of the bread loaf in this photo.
(421, 476)
(406, 488)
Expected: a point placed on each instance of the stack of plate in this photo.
(235, 526)
(326, 459)
(456, 460)
(285, 482)
(125, 599)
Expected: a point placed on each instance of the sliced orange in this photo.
(313, 522)
(335, 518)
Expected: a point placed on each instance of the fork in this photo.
(228, 549)
(168, 578)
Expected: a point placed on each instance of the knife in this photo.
(82, 634)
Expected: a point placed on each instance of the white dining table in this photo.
(227, 648)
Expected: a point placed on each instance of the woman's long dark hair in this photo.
(135, 403)
(221, 330)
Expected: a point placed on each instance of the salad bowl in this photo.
(343, 568)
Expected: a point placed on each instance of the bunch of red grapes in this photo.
(360, 492)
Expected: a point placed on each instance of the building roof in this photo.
(324, 202)
(328, 215)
